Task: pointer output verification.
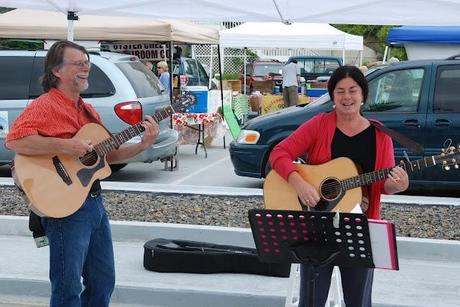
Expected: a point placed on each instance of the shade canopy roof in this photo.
(372, 12)
(427, 35)
(296, 35)
(36, 24)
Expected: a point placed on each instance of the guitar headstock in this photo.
(183, 101)
(449, 157)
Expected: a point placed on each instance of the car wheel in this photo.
(116, 167)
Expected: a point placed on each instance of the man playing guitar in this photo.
(81, 243)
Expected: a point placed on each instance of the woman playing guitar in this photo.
(343, 132)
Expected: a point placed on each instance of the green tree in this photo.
(375, 37)
(22, 44)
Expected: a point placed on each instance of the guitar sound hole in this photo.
(89, 159)
(330, 189)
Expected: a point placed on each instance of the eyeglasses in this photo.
(80, 64)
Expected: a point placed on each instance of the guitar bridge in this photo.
(60, 169)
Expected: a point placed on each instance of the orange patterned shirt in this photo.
(52, 115)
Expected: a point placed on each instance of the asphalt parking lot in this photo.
(193, 169)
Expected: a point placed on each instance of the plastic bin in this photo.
(316, 92)
(201, 94)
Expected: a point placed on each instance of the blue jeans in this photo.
(81, 246)
(356, 286)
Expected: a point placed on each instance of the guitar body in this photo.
(280, 195)
(49, 194)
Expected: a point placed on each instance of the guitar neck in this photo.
(382, 174)
(116, 140)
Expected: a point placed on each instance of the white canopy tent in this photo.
(296, 35)
(389, 12)
(36, 24)
(313, 36)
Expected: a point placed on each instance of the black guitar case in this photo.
(162, 255)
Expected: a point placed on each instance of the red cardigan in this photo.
(315, 138)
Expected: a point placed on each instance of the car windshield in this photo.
(144, 81)
(266, 69)
(325, 98)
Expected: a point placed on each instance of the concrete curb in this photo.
(409, 248)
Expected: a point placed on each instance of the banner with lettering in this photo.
(144, 51)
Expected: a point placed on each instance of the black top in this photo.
(360, 148)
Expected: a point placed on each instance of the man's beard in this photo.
(81, 84)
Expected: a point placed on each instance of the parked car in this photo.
(120, 88)
(192, 72)
(419, 99)
(260, 71)
(312, 67)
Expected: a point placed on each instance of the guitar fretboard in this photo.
(116, 140)
(371, 177)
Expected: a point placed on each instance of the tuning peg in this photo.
(456, 166)
(445, 165)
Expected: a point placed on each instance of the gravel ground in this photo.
(437, 222)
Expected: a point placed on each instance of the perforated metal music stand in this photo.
(315, 239)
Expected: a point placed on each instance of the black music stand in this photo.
(315, 239)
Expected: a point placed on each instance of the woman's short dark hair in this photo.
(55, 58)
(348, 71)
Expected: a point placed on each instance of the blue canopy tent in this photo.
(425, 41)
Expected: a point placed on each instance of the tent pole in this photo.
(71, 17)
(385, 54)
(244, 68)
(211, 70)
(171, 77)
(221, 84)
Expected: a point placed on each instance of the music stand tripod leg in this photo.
(314, 265)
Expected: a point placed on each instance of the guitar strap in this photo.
(398, 137)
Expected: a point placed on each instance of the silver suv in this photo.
(121, 89)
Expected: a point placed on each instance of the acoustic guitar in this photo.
(57, 185)
(341, 191)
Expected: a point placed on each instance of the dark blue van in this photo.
(419, 99)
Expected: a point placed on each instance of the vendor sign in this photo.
(144, 51)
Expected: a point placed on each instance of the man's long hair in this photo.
(55, 58)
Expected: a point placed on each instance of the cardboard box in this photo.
(263, 86)
(255, 101)
(318, 84)
(233, 85)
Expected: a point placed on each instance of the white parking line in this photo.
(200, 170)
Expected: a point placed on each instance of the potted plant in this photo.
(230, 81)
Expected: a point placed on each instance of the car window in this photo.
(204, 79)
(15, 77)
(266, 69)
(447, 89)
(190, 68)
(175, 68)
(330, 66)
(306, 66)
(144, 81)
(249, 69)
(99, 84)
(395, 91)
